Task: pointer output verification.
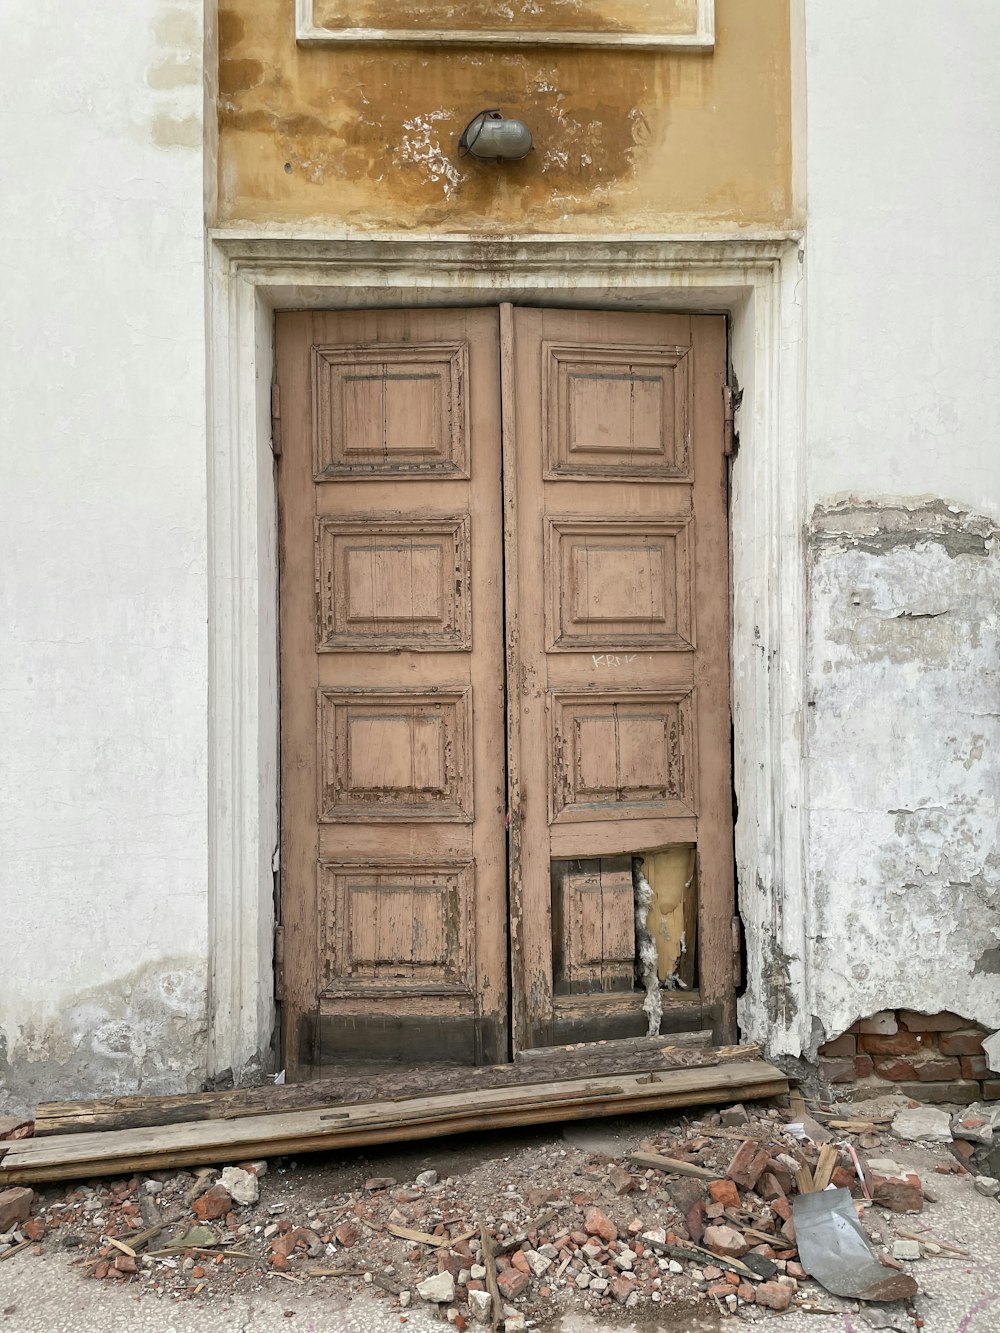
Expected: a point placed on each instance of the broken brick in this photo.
(900, 1194)
(726, 1241)
(15, 1205)
(844, 1178)
(769, 1187)
(748, 1165)
(863, 1066)
(596, 1223)
(622, 1288)
(724, 1192)
(774, 1296)
(511, 1283)
(214, 1203)
(695, 1221)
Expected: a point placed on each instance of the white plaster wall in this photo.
(903, 479)
(103, 672)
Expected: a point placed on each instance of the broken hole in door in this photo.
(626, 924)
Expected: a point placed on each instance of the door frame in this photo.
(755, 282)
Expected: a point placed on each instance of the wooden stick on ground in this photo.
(671, 1165)
(496, 1313)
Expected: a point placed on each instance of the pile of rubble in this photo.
(703, 1212)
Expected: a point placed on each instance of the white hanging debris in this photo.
(674, 981)
(646, 957)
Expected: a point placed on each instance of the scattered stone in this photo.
(515, 1323)
(480, 1306)
(439, 1289)
(537, 1263)
(906, 1249)
(405, 1297)
(922, 1122)
(242, 1185)
(427, 1178)
(987, 1185)
(974, 1125)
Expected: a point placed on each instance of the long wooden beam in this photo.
(209, 1142)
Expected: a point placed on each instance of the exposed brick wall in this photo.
(929, 1057)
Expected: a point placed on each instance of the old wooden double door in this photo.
(504, 671)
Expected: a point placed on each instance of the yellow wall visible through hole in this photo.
(364, 136)
(673, 915)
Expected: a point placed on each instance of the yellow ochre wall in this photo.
(626, 141)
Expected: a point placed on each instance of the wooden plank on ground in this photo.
(208, 1142)
(672, 1165)
(560, 1062)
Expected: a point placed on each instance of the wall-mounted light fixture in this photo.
(494, 137)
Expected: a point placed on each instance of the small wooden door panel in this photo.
(618, 648)
(393, 785)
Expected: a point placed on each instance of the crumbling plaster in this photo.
(901, 902)
(103, 594)
(903, 733)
